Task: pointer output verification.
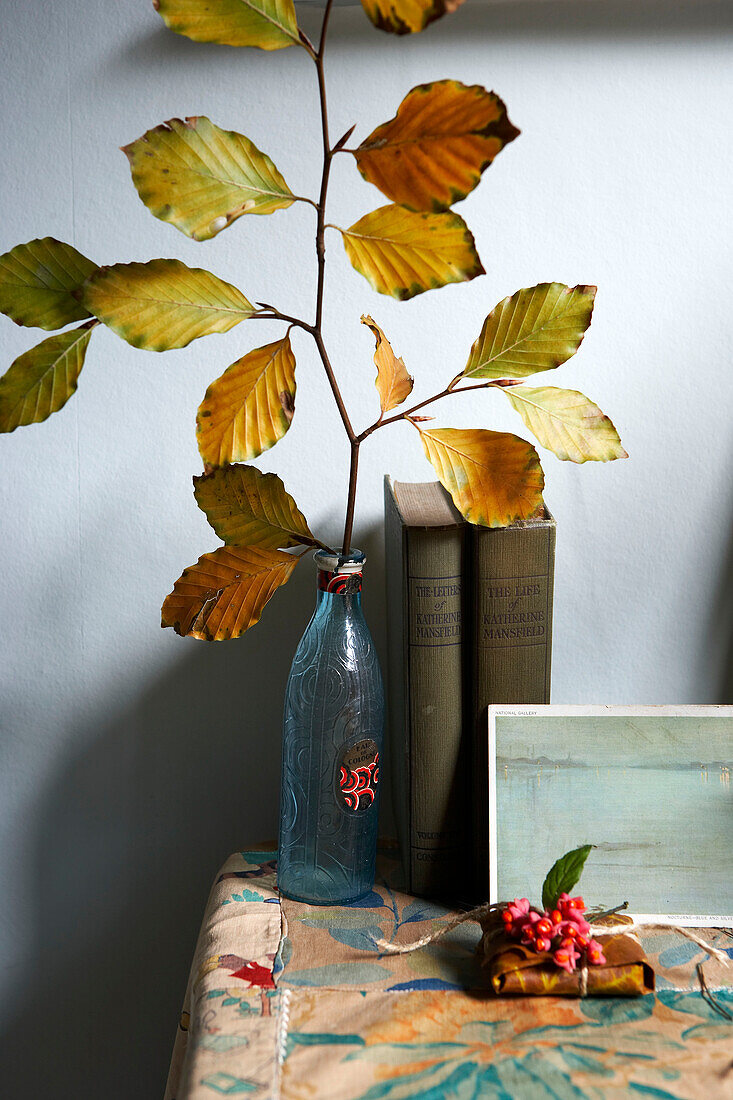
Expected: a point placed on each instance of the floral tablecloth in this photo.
(287, 1001)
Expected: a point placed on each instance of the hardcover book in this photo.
(429, 749)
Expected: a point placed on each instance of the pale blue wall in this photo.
(132, 761)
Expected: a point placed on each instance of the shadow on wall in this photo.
(722, 628)
(129, 839)
(527, 20)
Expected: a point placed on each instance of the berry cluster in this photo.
(564, 932)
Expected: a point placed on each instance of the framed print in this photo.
(650, 787)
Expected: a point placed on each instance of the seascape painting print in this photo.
(650, 787)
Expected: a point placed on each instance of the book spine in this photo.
(513, 572)
(397, 742)
(439, 754)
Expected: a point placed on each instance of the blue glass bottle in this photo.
(332, 746)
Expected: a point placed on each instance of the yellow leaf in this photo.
(201, 178)
(37, 281)
(494, 478)
(250, 407)
(393, 383)
(567, 423)
(403, 253)
(407, 16)
(248, 508)
(535, 329)
(268, 24)
(432, 153)
(163, 304)
(42, 380)
(223, 594)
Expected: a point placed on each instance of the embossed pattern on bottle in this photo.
(332, 745)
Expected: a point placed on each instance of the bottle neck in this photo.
(338, 589)
(339, 580)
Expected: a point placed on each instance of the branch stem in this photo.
(269, 313)
(500, 383)
(316, 329)
(353, 473)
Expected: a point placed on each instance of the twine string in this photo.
(483, 913)
(583, 980)
(480, 913)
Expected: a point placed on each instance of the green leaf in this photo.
(248, 508)
(564, 874)
(42, 380)
(37, 280)
(163, 304)
(567, 423)
(201, 178)
(267, 24)
(535, 329)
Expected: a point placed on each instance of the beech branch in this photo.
(499, 383)
(317, 328)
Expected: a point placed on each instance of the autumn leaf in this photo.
(163, 304)
(494, 478)
(267, 24)
(224, 593)
(567, 423)
(248, 508)
(42, 380)
(202, 178)
(407, 16)
(432, 153)
(535, 329)
(37, 281)
(393, 382)
(404, 253)
(250, 407)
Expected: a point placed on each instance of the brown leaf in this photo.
(494, 478)
(393, 382)
(432, 153)
(248, 508)
(223, 594)
(403, 253)
(250, 407)
(407, 16)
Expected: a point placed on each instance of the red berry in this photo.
(555, 916)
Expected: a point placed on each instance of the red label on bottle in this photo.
(343, 583)
(358, 775)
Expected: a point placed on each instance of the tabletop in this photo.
(287, 1001)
